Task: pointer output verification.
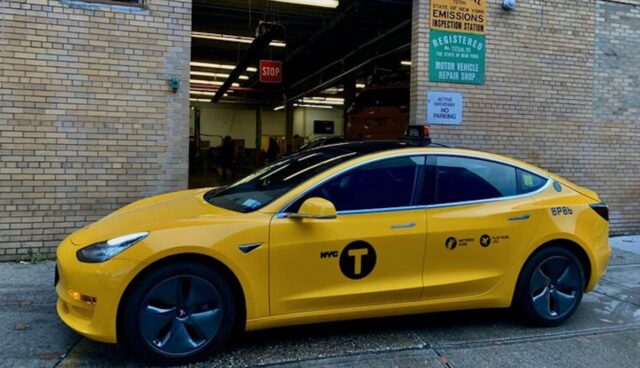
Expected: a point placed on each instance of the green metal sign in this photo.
(456, 57)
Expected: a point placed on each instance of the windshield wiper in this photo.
(212, 193)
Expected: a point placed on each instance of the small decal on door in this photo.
(485, 240)
(329, 254)
(451, 243)
(357, 260)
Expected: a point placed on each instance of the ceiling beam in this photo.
(348, 72)
(360, 48)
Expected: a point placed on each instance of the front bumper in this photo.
(89, 293)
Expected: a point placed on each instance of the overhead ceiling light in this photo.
(281, 107)
(212, 83)
(405, 62)
(204, 93)
(360, 85)
(313, 106)
(216, 75)
(210, 92)
(333, 90)
(323, 101)
(250, 69)
(321, 3)
(204, 99)
(321, 98)
(232, 38)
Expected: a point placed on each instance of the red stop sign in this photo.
(270, 71)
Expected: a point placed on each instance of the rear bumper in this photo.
(600, 254)
(89, 294)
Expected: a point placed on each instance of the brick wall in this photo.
(87, 120)
(616, 107)
(552, 95)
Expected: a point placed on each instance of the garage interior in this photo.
(342, 61)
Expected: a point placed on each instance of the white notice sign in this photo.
(444, 108)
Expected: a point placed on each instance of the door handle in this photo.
(519, 218)
(408, 225)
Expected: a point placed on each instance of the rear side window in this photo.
(382, 184)
(461, 179)
(529, 182)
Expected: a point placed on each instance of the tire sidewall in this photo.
(131, 335)
(522, 300)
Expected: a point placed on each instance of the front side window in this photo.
(264, 186)
(462, 179)
(388, 183)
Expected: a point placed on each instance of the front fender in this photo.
(220, 243)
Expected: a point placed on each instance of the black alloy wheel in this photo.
(555, 286)
(181, 314)
(550, 286)
(177, 314)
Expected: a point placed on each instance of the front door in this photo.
(372, 253)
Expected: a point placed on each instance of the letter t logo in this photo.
(357, 262)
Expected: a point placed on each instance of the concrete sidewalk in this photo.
(604, 332)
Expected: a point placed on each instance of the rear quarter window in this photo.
(528, 182)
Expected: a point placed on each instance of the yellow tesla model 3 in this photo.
(353, 230)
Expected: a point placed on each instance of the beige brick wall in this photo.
(87, 120)
(616, 105)
(542, 100)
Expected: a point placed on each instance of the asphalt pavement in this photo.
(605, 331)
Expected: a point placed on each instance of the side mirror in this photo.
(315, 208)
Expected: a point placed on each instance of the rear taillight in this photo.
(601, 209)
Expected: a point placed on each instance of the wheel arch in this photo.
(573, 247)
(203, 259)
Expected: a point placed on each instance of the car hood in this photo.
(150, 213)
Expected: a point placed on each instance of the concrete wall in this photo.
(541, 103)
(308, 115)
(87, 120)
(239, 121)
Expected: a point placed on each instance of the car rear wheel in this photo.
(179, 313)
(550, 287)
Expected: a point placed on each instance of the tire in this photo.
(550, 287)
(177, 314)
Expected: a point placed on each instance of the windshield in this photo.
(264, 186)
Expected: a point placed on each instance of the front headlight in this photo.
(105, 250)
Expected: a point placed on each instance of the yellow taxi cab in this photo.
(352, 230)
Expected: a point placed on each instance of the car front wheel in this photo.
(179, 313)
(550, 287)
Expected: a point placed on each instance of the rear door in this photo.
(480, 217)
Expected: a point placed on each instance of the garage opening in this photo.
(271, 77)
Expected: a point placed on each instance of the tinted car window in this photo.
(529, 182)
(460, 179)
(382, 184)
(264, 186)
